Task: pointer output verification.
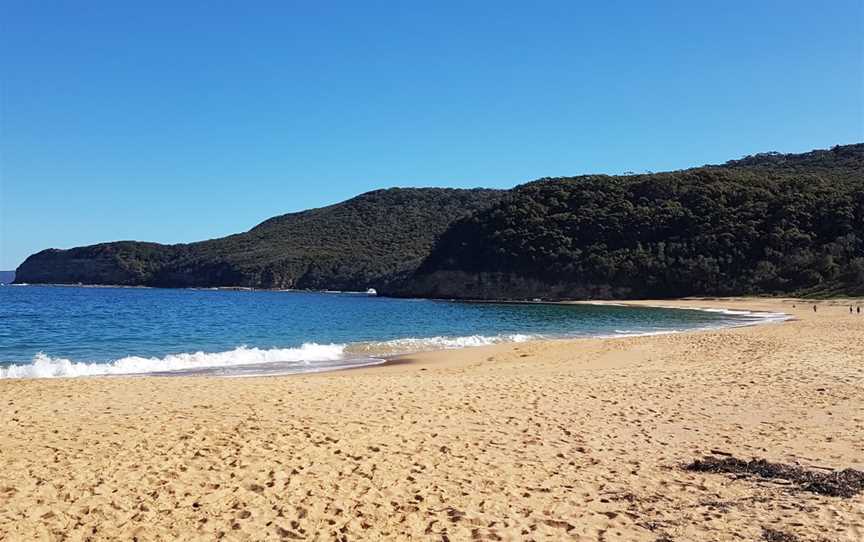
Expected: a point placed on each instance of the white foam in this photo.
(633, 333)
(742, 317)
(727, 311)
(44, 366)
(746, 317)
(414, 344)
(304, 358)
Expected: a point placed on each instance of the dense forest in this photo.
(765, 224)
(367, 241)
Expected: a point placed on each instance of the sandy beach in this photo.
(557, 440)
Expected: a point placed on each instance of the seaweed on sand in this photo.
(838, 483)
(773, 535)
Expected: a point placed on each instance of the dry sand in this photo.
(559, 440)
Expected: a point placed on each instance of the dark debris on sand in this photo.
(843, 483)
(773, 535)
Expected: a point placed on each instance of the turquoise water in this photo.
(72, 331)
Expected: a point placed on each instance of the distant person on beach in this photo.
(858, 309)
(814, 308)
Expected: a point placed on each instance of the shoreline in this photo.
(541, 301)
(581, 439)
(429, 356)
(412, 357)
(747, 318)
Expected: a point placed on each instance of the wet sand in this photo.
(556, 440)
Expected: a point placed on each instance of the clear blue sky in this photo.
(179, 121)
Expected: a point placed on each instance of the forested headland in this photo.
(765, 224)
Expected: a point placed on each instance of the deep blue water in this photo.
(73, 331)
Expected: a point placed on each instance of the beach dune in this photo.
(577, 439)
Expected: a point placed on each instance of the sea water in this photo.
(57, 331)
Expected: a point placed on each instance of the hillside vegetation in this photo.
(367, 241)
(769, 223)
(765, 224)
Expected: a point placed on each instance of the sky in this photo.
(182, 121)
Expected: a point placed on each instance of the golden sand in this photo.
(557, 440)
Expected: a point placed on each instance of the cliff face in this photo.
(121, 263)
(368, 241)
(450, 284)
(52, 265)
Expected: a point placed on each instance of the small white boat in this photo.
(371, 291)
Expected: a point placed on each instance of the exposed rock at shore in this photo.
(456, 284)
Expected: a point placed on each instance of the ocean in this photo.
(58, 331)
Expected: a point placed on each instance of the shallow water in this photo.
(73, 331)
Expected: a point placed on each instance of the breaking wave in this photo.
(745, 317)
(44, 366)
(413, 344)
(314, 357)
(246, 361)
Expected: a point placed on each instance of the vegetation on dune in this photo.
(768, 223)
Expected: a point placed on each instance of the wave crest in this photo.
(44, 366)
(414, 344)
